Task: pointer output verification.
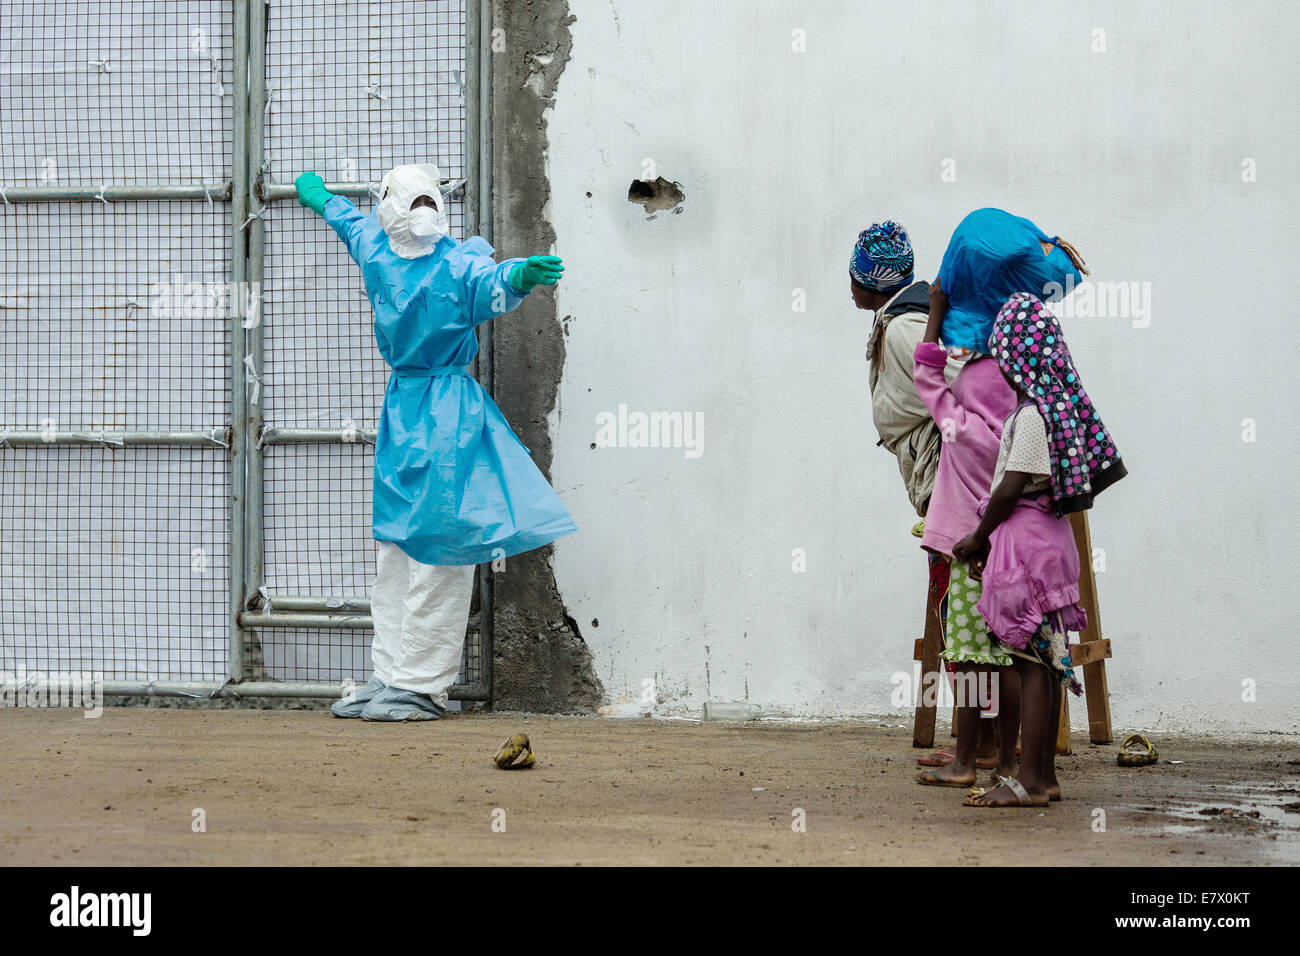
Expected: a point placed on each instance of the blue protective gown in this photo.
(453, 483)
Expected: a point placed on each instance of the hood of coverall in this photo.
(400, 187)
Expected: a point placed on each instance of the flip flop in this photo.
(996, 779)
(945, 755)
(930, 779)
(1012, 784)
(940, 758)
(1136, 751)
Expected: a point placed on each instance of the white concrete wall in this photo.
(1135, 154)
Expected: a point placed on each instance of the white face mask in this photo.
(412, 232)
(428, 224)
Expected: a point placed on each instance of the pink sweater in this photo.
(970, 413)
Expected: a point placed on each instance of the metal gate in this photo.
(191, 384)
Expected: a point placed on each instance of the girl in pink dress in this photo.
(1055, 457)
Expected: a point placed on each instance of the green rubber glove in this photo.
(535, 271)
(312, 192)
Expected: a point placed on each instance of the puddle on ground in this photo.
(1181, 828)
(1266, 812)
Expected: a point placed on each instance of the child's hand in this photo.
(969, 547)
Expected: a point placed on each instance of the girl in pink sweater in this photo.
(1055, 456)
(970, 413)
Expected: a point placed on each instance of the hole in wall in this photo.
(655, 194)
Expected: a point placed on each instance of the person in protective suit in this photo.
(453, 485)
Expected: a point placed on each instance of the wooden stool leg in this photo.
(1063, 732)
(1094, 674)
(931, 644)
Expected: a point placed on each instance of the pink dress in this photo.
(1032, 570)
(970, 413)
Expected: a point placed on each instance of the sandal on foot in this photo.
(995, 778)
(1050, 799)
(1136, 751)
(940, 758)
(931, 779)
(1011, 783)
(946, 755)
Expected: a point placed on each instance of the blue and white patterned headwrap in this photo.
(882, 260)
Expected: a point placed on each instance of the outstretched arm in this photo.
(493, 288)
(343, 217)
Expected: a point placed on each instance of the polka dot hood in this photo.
(1028, 346)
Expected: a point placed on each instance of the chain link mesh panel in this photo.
(354, 88)
(318, 509)
(115, 560)
(115, 91)
(320, 364)
(115, 316)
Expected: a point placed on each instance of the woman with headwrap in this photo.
(1055, 457)
(882, 281)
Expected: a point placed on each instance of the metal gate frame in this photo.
(246, 435)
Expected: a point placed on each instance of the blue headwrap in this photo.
(882, 260)
(993, 255)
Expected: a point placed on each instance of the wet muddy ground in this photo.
(286, 787)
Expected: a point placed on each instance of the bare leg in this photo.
(1008, 720)
(1035, 722)
(987, 748)
(1049, 753)
(962, 769)
(1035, 725)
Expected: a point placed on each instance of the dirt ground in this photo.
(284, 787)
